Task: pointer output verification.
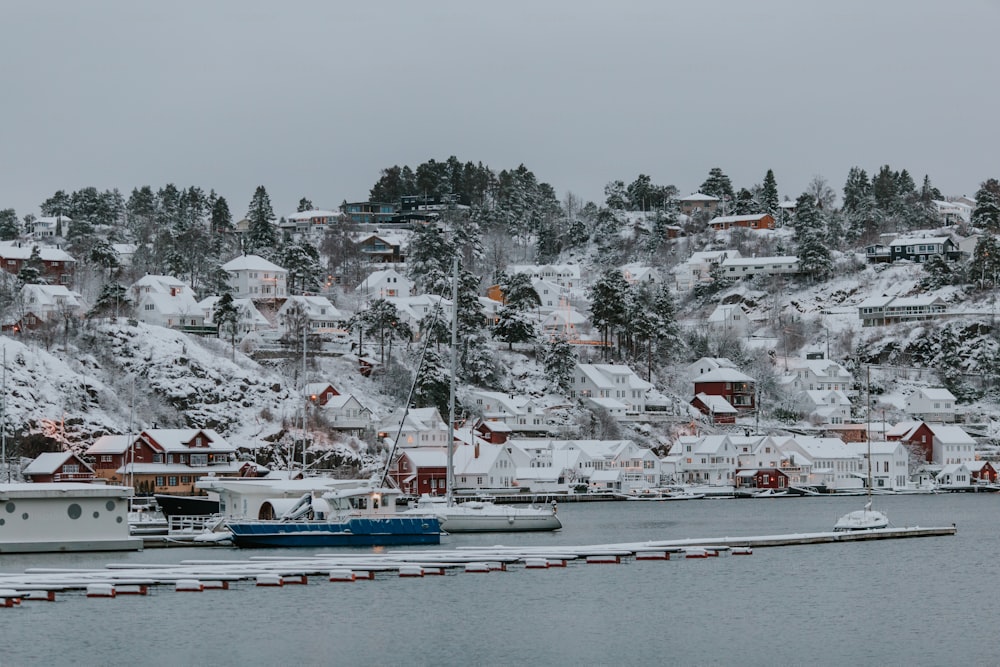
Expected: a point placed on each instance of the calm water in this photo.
(928, 601)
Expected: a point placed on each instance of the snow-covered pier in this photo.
(43, 584)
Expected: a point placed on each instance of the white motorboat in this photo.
(484, 516)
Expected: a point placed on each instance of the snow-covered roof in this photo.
(716, 404)
(698, 196)
(919, 240)
(950, 434)
(252, 263)
(603, 375)
(47, 463)
(14, 250)
(760, 261)
(937, 394)
(177, 439)
(723, 375)
(110, 444)
(313, 213)
(722, 219)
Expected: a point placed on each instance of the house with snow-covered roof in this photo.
(752, 221)
(953, 212)
(322, 315)
(421, 470)
(50, 226)
(835, 466)
(385, 283)
(735, 268)
(564, 275)
(248, 318)
(705, 459)
(422, 427)
(314, 218)
(737, 388)
(58, 467)
(480, 466)
(39, 305)
(729, 319)
(698, 269)
(520, 412)
(716, 408)
(641, 274)
(921, 248)
(699, 202)
(346, 413)
(164, 460)
(885, 310)
(253, 277)
(592, 382)
(57, 266)
(706, 364)
(413, 309)
(890, 467)
(932, 404)
(824, 406)
(165, 301)
(382, 247)
(815, 375)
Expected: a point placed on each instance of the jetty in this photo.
(189, 576)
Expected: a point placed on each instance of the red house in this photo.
(761, 478)
(59, 467)
(716, 408)
(917, 435)
(421, 470)
(321, 392)
(756, 221)
(58, 266)
(493, 432)
(737, 388)
(982, 472)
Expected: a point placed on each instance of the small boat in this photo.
(866, 519)
(360, 516)
(187, 505)
(484, 516)
(661, 495)
(771, 493)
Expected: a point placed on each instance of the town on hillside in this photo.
(730, 339)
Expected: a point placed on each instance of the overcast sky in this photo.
(315, 98)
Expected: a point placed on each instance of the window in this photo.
(172, 480)
(159, 481)
(185, 479)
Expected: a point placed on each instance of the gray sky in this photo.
(314, 98)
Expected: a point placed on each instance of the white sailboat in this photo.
(478, 516)
(867, 518)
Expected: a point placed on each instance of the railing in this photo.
(192, 524)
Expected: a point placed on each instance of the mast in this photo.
(450, 471)
(868, 414)
(131, 444)
(305, 397)
(3, 418)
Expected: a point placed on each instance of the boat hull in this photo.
(498, 523)
(186, 505)
(347, 533)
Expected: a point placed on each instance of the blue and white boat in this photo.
(351, 517)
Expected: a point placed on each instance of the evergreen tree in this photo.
(810, 236)
(301, 260)
(381, 319)
(717, 184)
(58, 204)
(885, 189)
(938, 272)
(745, 204)
(608, 304)
(559, 360)
(857, 190)
(904, 183)
(261, 237)
(9, 227)
(929, 193)
(220, 219)
(769, 198)
(513, 326)
(104, 255)
(227, 318)
(615, 196)
(984, 267)
(430, 259)
(304, 205)
(518, 292)
(111, 302)
(987, 211)
(432, 386)
(32, 270)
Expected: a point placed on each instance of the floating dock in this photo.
(197, 576)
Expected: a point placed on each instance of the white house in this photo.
(253, 277)
(619, 382)
(935, 404)
(640, 274)
(45, 227)
(384, 284)
(951, 444)
(345, 412)
(248, 318)
(522, 413)
(824, 406)
(564, 275)
(729, 319)
(423, 427)
(323, 316)
(954, 475)
(552, 295)
(815, 375)
(413, 309)
(48, 303)
(315, 218)
(165, 301)
(697, 269)
(125, 252)
(481, 465)
(706, 459)
(890, 463)
(834, 466)
(734, 268)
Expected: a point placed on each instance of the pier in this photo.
(196, 576)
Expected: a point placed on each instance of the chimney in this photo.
(476, 451)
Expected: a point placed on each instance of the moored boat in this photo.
(360, 516)
(484, 516)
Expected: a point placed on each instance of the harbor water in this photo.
(924, 601)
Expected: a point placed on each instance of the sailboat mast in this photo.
(868, 413)
(3, 418)
(450, 473)
(305, 395)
